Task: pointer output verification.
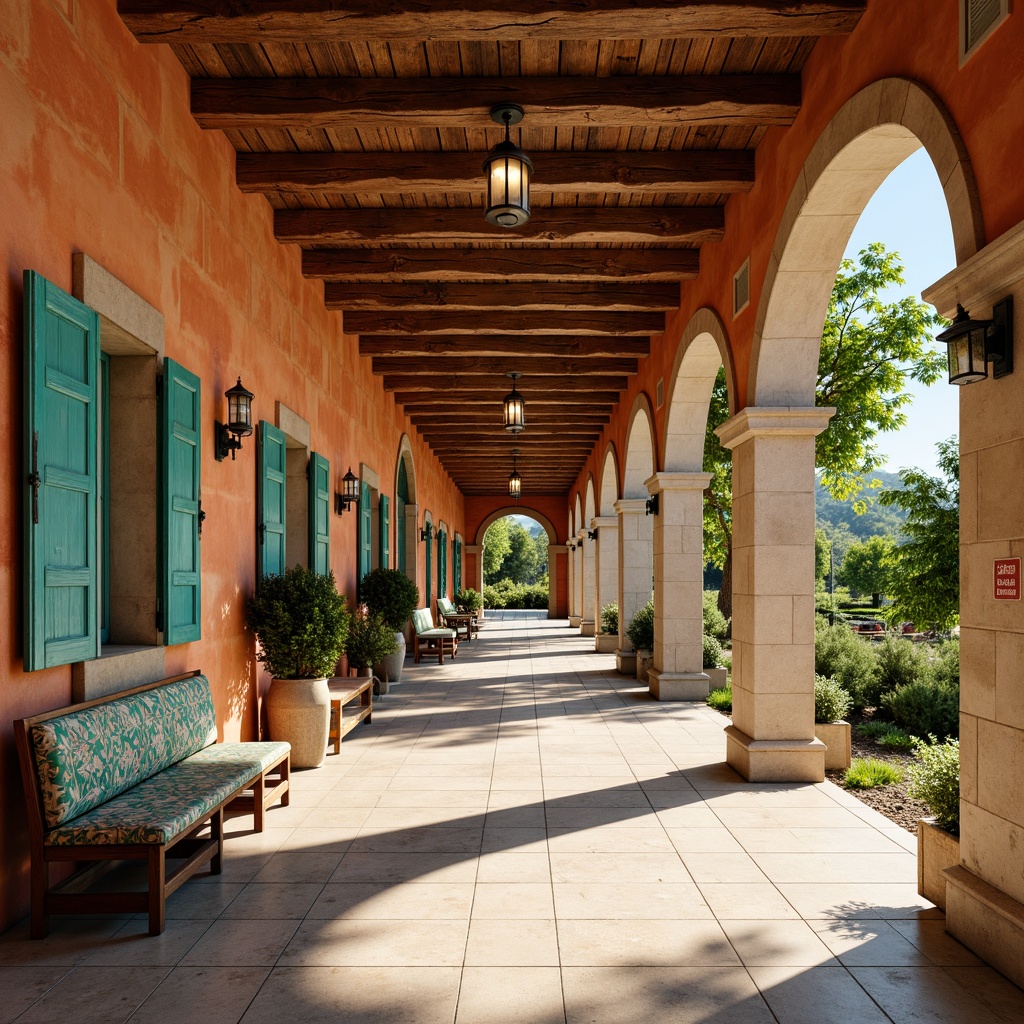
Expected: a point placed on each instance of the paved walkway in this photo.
(523, 836)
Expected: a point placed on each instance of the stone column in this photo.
(554, 550)
(606, 576)
(477, 551)
(772, 736)
(412, 536)
(588, 583)
(577, 585)
(636, 569)
(678, 672)
(570, 581)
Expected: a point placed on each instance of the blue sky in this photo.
(908, 214)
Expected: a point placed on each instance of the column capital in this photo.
(781, 421)
(630, 506)
(473, 549)
(677, 482)
(599, 521)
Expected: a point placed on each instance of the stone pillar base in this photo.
(987, 921)
(574, 621)
(678, 685)
(605, 643)
(625, 662)
(775, 760)
(587, 627)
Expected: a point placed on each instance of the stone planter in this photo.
(836, 737)
(299, 711)
(574, 621)
(606, 643)
(390, 669)
(937, 850)
(719, 677)
(644, 660)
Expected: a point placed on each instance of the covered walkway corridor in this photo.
(523, 834)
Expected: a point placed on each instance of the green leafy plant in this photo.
(868, 772)
(370, 639)
(872, 730)
(610, 618)
(935, 779)
(508, 594)
(300, 621)
(391, 594)
(900, 663)
(848, 658)
(925, 708)
(468, 600)
(831, 702)
(895, 738)
(721, 700)
(712, 651)
(641, 628)
(715, 623)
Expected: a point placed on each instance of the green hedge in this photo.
(506, 594)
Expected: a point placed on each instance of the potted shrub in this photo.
(935, 779)
(468, 600)
(608, 638)
(301, 622)
(831, 706)
(370, 640)
(641, 635)
(712, 664)
(392, 595)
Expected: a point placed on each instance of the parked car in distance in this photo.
(868, 627)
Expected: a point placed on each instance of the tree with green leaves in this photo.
(869, 350)
(496, 546)
(923, 580)
(865, 568)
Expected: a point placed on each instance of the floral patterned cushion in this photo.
(88, 757)
(256, 757)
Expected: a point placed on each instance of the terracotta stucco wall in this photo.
(99, 154)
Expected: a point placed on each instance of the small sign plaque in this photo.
(1006, 581)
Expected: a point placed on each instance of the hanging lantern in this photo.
(514, 408)
(515, 481)
(508, 171)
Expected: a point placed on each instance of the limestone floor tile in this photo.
(815, 840)
(382, 900)
(512, 943)
(643, 944)
(787, 817)
(746, 901)
(510, 995)
(817, 901)
(419, 840)
(998, 994)
(315, 839)
(623, 901)
(610, 840)
(357, 995)
(406, 867)
(273, 900)
(460, 799)
(385, 821)
(703, 840)
(689, 816)
(512, 901)
(859, 943)
(529, 816)
(348, 943)
(241, 943)
(599, 867)
(662, 995)
(300, 866)
(629, 799)
(499, 799)
(777, 944)
(815, 995)
(419, 780)
(778, 795)
(334, 815)
(524, 839)
(722, 867)
(839, 867)
(22, 986)
(95, 995)
(220, 995)
(514, 866)
(133, 945)
(911, 994)
(594, 817)
(931, 937)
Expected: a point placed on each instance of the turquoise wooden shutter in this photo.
(429, 567)
(319, 514)
(457, 567)
(271, 501)
(61, 547)
(365, 532)
(385, 532)
(400, 561)
(181, 577)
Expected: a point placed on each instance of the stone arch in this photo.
(405, 457)
(874, 131)
(405, 509)
(640, 455)
(549, 529)
(609, 491)
(703, 348)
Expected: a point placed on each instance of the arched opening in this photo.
(576, 559)
(589, 595)
(606, 550)
(405, 510)
(545, 540)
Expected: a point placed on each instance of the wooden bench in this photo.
(343, 692)
(138, 776)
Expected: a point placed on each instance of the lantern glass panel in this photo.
(515, 485)
(515, 412)
(967, 358)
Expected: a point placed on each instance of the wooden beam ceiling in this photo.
(510, 321)
(489, 394)
(667, 101)
(233, 21)
(466, 367)
(520, 345)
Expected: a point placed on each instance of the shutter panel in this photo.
(457, 559)
(319, 514)
(429, 568)
(400, 561)
(271, 501)
(60, 470)
(385, 532)
(181, 578)
(365, 531)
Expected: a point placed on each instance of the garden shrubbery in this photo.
(506, 594)
(831, 702)
(715, 623)
(935, 779)
(712, 652)
(925, 708)
(847, 658)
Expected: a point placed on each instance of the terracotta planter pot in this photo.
(299, 711)
(937, 850)
(836, 737)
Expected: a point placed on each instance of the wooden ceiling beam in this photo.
(677, 225)
(474, 322)
(451, 386)
(324, 21)
(476, 394)
(350, 174)
(662, 101)
(548, 295)
(468, 369)
(486, 420)
(462, 264)
(594, 346)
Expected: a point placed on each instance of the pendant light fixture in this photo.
(515, 481)
(513, 406)
(508, 171)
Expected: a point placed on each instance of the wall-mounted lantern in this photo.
(349, 494)
(651, 506)
(973, 344)
(227, 437)
(427, 532)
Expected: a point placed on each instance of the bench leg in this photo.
(217, 832)
(157, 881)
(366, 699)
(39, 922)
(259, 808)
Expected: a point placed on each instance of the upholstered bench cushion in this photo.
(256, 756)
(438, 633)
(88, 757)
